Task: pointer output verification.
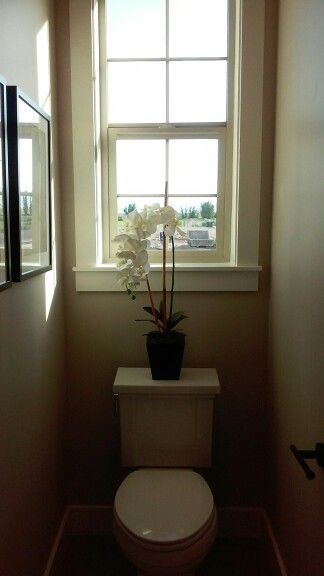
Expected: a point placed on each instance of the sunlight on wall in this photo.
(43, 68)
(44, 99)
(51, 276)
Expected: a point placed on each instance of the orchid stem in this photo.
(164, 296)
(164, 286)
(152, 304)
(172, 280)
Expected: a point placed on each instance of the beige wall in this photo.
(31, 338)
(296, 393)
(227, 330)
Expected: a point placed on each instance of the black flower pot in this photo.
(165, 353)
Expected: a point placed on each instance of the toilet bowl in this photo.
(165, 520)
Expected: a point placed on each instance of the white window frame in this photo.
(90, 156)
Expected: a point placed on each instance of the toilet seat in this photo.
(161, 506)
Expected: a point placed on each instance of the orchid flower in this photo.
(133, 265)
(132, 254)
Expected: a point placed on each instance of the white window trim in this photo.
(241, 273)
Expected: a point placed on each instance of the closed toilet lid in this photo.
(164, 505)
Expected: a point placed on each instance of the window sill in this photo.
(206, 277)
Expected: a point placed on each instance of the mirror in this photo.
(4, 232)
(29, 179)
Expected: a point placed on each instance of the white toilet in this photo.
(165, 519)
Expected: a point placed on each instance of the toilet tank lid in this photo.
(164, 504)
(193, 381)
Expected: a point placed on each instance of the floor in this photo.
(100, 556)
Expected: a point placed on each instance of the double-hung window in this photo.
(169, 91)
(168, 112)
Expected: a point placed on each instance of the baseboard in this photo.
(277, 565)
(56, 543)
(233, 523)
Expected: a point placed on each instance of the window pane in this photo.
(197, 220)
(140, 167)
(136, 92)
(125, 205)
(130, 203)
(26, 166)
(193, 166)
(136, 29)
(198, 28)
(198, 91)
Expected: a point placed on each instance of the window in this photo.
(236, 141)
(167, 108)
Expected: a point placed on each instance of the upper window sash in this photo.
(151, 40)
(158, 30)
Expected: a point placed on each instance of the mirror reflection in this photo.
(3, 263)
(33, 188)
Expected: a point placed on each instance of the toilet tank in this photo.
(166, 422)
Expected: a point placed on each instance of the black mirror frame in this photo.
(4, 142)
(13, 97)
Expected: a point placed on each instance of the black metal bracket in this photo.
(302, 455)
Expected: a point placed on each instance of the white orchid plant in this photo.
(133, 262)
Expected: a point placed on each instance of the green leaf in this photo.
(150, 310)
(148, 333)
(175, 319)
(177, 315)
(144, 320)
